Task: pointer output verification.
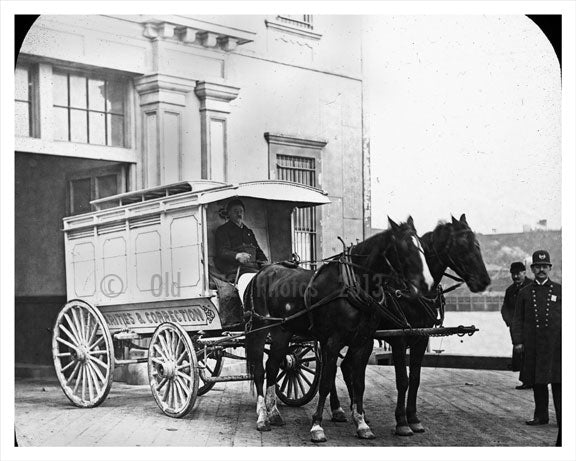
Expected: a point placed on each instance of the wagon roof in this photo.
(212, 191)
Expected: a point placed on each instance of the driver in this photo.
(237, 251)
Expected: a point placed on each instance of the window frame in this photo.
(120, 171)
(292, 146)
(33, 115)
(90, 74)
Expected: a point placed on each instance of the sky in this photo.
(464, 116)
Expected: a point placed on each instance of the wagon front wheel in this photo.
(83, 354)
(173, 370)
(299, 374)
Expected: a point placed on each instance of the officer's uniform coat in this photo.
(537, 325)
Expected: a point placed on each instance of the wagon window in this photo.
(88, 109)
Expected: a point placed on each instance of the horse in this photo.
(319, 305)
(450, 245)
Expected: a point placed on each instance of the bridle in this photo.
(451, 262)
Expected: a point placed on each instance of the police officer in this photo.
(236, 245)
(537, 331)
(519, 279)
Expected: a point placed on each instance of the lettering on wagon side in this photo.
(190, 315)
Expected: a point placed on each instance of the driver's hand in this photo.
(243, 258)
(519, 347)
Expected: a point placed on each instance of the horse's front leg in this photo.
(417, 351)
(254, 354)
(399, 358)
(338, 414)
(327, 377)
(278, 349)
(360, 356)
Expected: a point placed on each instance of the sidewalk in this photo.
(457, 407)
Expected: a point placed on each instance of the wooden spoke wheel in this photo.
(83, 354)
(173, 370)
(299, 374)
(212, 363)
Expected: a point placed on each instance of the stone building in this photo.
(109, 104)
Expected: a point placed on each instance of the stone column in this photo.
(215, 101)
(162, 104)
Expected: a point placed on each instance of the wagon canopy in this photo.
(212, 191)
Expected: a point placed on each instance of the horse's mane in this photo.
(372, 247)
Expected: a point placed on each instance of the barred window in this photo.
(88, 109)
(301, 170)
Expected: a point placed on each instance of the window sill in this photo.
(70, 149)
(293, 30)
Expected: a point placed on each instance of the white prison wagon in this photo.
(139, 275)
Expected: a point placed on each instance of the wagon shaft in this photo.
(438, 331)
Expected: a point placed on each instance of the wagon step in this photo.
(436, 331)
(125, 335)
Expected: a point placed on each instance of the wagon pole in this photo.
(438, 331)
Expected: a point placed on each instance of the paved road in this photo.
(457, 407)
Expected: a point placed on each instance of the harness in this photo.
(351, 290)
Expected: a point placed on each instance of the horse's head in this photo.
(463, 255)
(402, 252)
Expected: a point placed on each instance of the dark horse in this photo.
(319, 307)
(451, 245)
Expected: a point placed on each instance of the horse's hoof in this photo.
(339, 416)
(317, 436)
(276, 419)
(263, 426)
(417, 427)
(365, 434)
(403, 431)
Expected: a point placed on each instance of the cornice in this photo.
(216, 96)
(190, 31)
(154, 82)
(286, 140)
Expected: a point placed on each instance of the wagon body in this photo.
(143, 258)
(139, 267)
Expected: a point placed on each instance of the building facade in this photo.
(109, 104)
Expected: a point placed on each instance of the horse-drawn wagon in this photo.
(140, 275)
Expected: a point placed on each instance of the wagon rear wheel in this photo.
(299, 375)
(212, 363)
(83, 354)
(173, 370)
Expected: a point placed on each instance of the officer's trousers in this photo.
(541, 400)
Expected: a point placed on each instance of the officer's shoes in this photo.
(537, 422)
(524, 386)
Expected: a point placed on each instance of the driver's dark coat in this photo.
(232, 239)
(537, 325)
